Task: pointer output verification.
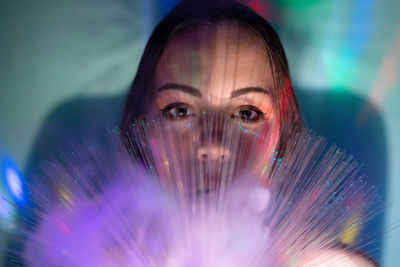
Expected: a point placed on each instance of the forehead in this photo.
(214, 59)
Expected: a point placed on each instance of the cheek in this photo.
(271, 138)
(265, 148)
(252, 149)
(161, 162)
(173, 149)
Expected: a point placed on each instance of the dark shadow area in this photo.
(355, 125)
(87, 118)
(79, 119)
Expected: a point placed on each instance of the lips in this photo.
(211, 182)
(211, 178)
(202, 176)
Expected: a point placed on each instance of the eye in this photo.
(247, 114)
(177, 111)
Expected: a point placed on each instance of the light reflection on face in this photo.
(334, 257)
(211, 71)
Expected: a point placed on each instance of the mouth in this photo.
(212, 180)
(204, 178)
(205, 191)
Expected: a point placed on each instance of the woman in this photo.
(217, 57)
(205, 60)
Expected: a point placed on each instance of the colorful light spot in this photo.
(13, 180)
(350, 231)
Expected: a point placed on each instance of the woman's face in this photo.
(214, 95)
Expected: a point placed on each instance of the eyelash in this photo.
(171, 114)
(166, 112)
(259, 114)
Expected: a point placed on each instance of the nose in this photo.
(213, 152)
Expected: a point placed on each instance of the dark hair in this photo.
(214, 12)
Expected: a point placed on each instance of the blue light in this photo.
(5, 212)
(13, 180)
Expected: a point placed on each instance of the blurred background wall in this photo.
(65, 67)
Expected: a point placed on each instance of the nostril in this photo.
(225, 156)
(213, 152)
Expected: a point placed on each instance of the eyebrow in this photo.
(184, 88)
(247, 90)
(196, 92)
